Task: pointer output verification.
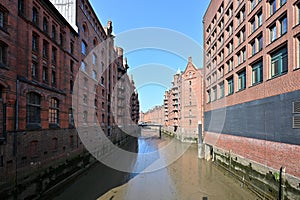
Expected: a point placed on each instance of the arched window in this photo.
(84, 29)
(33, 108)
(95, 42)
(54, 111)
(83, 48)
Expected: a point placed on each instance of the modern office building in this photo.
(252, 83)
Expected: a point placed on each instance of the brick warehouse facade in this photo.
(182, 109)
(41, 52)
(252, 93)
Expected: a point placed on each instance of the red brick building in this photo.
(41, 53)
(183, 108)
(252, 93)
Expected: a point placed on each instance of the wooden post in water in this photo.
(282, 183)
(159, 132)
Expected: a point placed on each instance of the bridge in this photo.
(152, 125)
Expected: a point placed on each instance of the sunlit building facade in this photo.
(251, 89)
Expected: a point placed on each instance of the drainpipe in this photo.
(16, 138)
(17, 105)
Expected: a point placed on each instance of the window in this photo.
(3, 19)
(257, 73)
(71, 117)
(35, 42)
(83, 48)
(208, 96)
(279, 62)
(230, 86)
(34, 70)
(272, 7)
(21, 6)
(222, 90)
(45, 74)
(35, 16)
(45, 49)
(94, 59)
(33, 108)
(85, 99)
(95, 103)
(54, 111)
(298, 12)
(53, 78)
(260, 43)
(45, 25)
(283, 25)
(253, 25)
(85, 117)
(83, 66)
(253, 47)
(54, 51)
(242, 80)
(282, 2)
(273, 32)
(260, 19)
(94, 74)
(230, 65)
(215, 93)
(53, 35)
(102, 80)
(3, 53)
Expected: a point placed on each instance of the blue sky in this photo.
(179, 35)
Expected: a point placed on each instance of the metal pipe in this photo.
(17, 106)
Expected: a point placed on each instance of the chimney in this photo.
(109, 28)
(190, 59)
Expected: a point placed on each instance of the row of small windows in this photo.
(279, 66)
(256, 44)
(33, 110)
(255, 22)
(274, 5)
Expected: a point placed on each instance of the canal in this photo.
(187, 178)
